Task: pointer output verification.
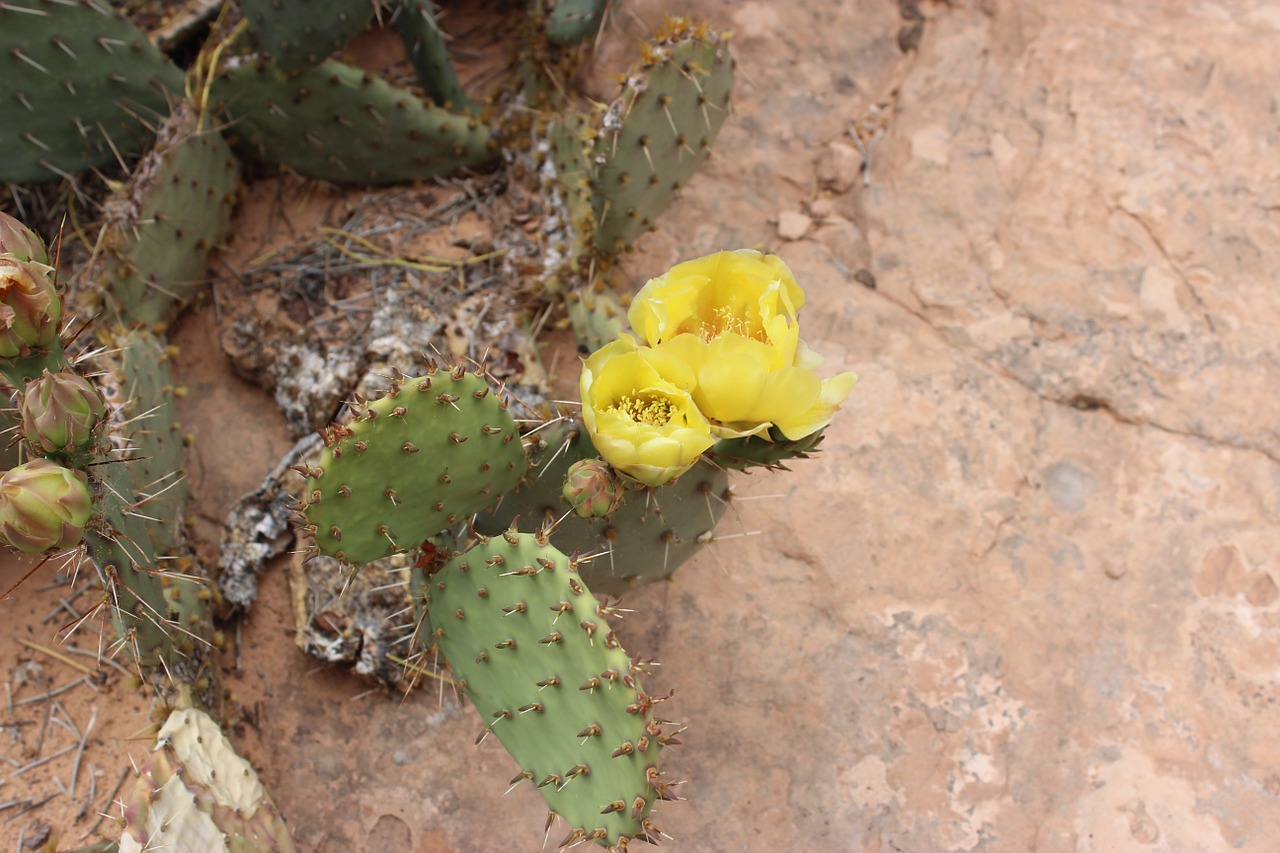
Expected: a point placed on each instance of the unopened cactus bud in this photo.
(43, 506)
(20, 241)
(29, 306)
(60, 411)
(592, 489)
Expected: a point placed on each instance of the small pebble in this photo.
(839, 167)
(1262, 592)
(792, 225)
(822, 209)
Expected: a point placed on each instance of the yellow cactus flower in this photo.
(740, 390)
(730, 318)
(639, 413)
(743, 293)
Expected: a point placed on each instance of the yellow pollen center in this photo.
(724, 321)
(650, 411)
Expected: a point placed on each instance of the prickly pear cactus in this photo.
(10, 423)
(339, 123)
(571, 21)
(434, 450)
(162, 225)
(757, 452)
(161, 618)
(596, 315)
(659, 130)
(646, 538)
(140, 384)
(533, 651)
(576, 270)
(196, 793)
(298, 34)
(82, 88)
(425, 46)
(570, 169)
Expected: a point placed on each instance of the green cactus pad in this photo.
(163, 224)
(568, 150)
(118, 542)
(758, 452)
(434, 450)
(338, 123)
(571, 21)
(650, 535)
(566, 183)
(147, 529)
(141, 384)
(82, 85)
(531, 648)
(596, 315)
(10, 424)
(425, 46)
(659, 130)
(298, 34)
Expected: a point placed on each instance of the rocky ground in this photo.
(1026, 598)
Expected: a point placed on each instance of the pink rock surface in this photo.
(1026, 598)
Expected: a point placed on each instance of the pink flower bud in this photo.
(43, 506)
(60, 411)
(29, 306)
(20, 241)
(592, 489)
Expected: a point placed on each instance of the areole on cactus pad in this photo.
(435, 449)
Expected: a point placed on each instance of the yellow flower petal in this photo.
(729, 387)
(723, 343)
(640, 421)
(744, 292)
(741, 390)
(807, 358)
(832, 394)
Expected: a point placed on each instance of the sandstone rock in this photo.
(1026, 596)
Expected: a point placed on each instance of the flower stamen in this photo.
(645, 409)
(723, 321)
